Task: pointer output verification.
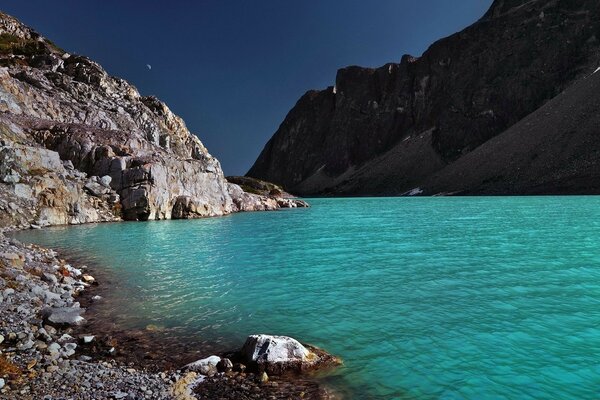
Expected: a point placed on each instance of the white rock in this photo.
(54, 348)
(206, 366)
(88, 339)
(273, 349)
(106, 180)
(65, 338)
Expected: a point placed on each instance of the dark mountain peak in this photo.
(383, 130)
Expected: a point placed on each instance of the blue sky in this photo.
(233, 69)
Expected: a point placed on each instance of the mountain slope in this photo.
(78, 145)
(554, 150)
(388, 130)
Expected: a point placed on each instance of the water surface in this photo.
(423, 298)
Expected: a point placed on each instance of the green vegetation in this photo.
(250, 189)
(256, 186)
(11, 44)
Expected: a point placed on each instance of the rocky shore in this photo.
(80, 146)
(40, 358)
(45, 354)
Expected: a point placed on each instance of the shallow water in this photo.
(423, 298)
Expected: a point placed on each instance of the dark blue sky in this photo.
(233, 69)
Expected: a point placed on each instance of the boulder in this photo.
(280, 354)
(63, 315)
(206, 366)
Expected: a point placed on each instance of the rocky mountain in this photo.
(419, 125)
(78, 145)
(554, 150)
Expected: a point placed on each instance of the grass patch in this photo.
(11, 44)
(250, 189)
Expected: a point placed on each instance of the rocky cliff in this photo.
(78, 145)
(390, 130)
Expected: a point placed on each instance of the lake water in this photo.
(423, 298)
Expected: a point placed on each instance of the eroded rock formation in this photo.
(78, 145)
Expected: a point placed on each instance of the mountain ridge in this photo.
(430, 111)
(78, 145)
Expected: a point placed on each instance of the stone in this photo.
(273, 349)
(50, 278)
(206, 366)
(263, 378)
(69, 349)
(2, 383)
(65, 338)
(13, 259)
(88, 339)
(54, 348)
(64, 315)
(88, 278)
(279, 354)
(26, 345)
(105, 181)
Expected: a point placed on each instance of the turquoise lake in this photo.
(423, 298)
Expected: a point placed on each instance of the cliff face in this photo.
(554, 150)
(78, 145)
(388, 130)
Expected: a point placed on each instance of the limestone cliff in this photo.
(78, 145)
(388, 130)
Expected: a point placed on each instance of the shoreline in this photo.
(134, 355)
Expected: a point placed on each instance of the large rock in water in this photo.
(280, 354)
(63, 119)
(388, 130)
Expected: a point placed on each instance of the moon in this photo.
(149, 66)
